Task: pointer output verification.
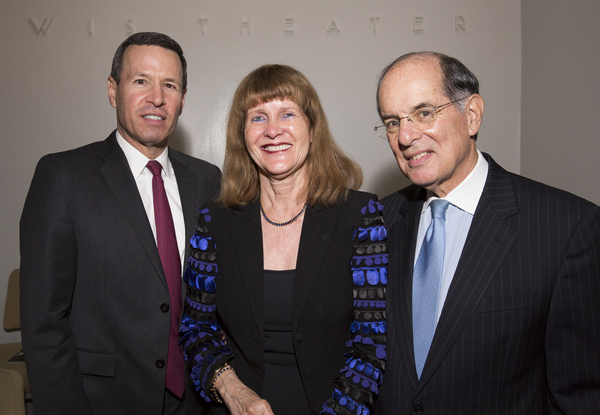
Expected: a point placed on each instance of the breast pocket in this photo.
(506, 302)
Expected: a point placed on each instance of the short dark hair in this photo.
(147, 39)
(457, 80)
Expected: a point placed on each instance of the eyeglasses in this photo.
(421, 118)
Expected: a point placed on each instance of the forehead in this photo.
(412, 82)
(141, 58)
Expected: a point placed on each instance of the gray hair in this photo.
(458, 81)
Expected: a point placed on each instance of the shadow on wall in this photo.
(388, 179)
(180, 140)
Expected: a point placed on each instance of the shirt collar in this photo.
(137, 161)
(466, 195)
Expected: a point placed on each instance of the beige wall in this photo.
(54, 83)
(560, 138)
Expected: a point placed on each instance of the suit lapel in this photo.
(188, 189)
(487, 245)
(118, 178)
(402, 221)
(317, 229)
(246, 233)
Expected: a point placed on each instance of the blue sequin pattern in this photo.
(204, 348)
(361, 377)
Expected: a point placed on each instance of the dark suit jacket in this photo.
(322, 302)
(92, 286)
(520, 329)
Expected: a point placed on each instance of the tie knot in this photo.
(438, 208)
(155, 167)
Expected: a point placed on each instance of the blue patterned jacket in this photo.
(338, 302)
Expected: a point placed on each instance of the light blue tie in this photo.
(427, 278)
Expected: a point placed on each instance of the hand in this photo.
(240, 399)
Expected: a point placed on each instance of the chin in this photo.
(422, 182)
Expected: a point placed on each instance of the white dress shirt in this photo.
(463, 202)
(143, 178)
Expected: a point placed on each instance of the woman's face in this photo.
(278, 137)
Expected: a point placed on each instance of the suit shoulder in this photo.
(531, 191)
(195, 164)
(75, 154)
(186, 158)
(71, 163)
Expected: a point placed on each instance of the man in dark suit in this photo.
(102, 241)
(502, 313)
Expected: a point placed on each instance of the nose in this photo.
(156, 95)
(273, 127)
(407, 133)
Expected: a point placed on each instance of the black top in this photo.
(283, 387)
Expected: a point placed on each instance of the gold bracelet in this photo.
(218, 373)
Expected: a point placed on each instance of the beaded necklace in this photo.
(262, 210)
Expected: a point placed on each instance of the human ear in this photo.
(112, 91)
(474, 110)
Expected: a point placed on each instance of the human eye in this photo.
(140, 81)
(424, 115)
(172, 84)
(392, 125)
(288, 115)
(257, 118)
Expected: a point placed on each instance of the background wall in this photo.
(56, 58)
(560, 142)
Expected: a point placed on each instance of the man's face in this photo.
(440, 157)
(149, 97)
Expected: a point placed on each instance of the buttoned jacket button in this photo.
(160, 363)
(164, 308)
(307, 373)
(298, 337)
(419, 408)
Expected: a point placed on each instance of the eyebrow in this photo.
(414, 108)
(145, 75)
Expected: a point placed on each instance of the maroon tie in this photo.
(171, 263)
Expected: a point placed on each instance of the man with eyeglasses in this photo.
(494, 280)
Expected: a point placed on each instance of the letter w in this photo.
(43, 28)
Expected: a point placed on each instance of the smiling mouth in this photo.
(279, 147)
(153, 117)
(420, 155)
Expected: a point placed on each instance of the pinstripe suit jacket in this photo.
(520, 329)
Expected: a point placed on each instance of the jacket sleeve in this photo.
(360, 378)
(48, 278)
(203, 341)
(573, 334)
